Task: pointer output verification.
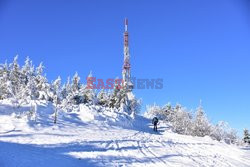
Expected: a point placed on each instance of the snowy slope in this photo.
(97, 137)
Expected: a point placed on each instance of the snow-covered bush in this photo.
(183, 122)
(103, 98)
(134, 105)
(201, 126)
(28, 83)
(155, 111)
(223, 132)
(246, 137)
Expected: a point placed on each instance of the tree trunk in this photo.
(55, 117)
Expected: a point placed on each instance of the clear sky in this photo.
(200, 48)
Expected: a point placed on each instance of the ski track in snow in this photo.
(96, 143)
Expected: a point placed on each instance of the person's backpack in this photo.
(155, 120)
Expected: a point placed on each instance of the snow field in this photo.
(91, 137)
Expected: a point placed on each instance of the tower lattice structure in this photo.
(126, 70)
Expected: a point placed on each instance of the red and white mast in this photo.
(126, 75)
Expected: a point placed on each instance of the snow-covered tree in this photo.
(75, 89)
(222, 132)
(71, 93)
(32, 114)
(42, 85)
(66, 88)
(75, 83)
(201, 125)
(178, 117)
(246, 137)
(4, 81)
(56, 88)
(181, 120)
(66, 95)
(26, 70)
(168, 112)
(154, 111)
(16, 86)
(114, 97)
(89, 94)
(218, 131)
(231, 136)
(30, 90)
(134, 105)
(121, 98)
(15, 77)
(103, 98)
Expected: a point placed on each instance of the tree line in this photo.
(186, 122)
(23, 84)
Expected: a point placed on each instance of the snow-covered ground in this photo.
(91, 137)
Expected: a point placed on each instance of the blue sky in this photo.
(199, 48)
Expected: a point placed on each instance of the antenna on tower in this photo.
(126, 24)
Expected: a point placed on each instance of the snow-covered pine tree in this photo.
(119, 97)
(231, 136)
(66, 95)
(27, 71)
(168, 111)
(75, 83)
(102, 98)
(181, 120)
(42, 85)
(154, 111)
(15, 85)
(122, 99)
(114, 97)
(73, 94)
(218, 131)
(222, 132)
(56, 89)
(29, 90)
(246, 137)
(4, 81)
(201, 125)
(134, 105)
(89, 94)
(65, 89)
